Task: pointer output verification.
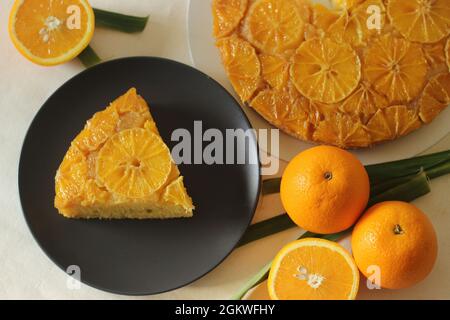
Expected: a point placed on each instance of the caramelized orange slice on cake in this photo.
(447, 53)
(241, 64)
(392, 122)
(341, 130)
(227, 14)
(274, 25)
(363, 102)
(435, 97)
(274, 70)
(396, 68)
(325, 71)
(351, 26)
(423, 21)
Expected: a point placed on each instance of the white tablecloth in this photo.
(25, 271)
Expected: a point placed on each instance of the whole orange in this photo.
(398, 238)
(325, 189)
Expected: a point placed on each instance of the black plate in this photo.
(151, 256)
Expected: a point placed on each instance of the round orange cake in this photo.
(362, 73)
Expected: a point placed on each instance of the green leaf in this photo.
(388, 184)
(416, 187)
(262, 275)
(439, 170)
(394, 169)
(120, 22)
(270, 186)
(88, 57)
(266, 228)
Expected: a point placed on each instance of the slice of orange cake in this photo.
(119, 167)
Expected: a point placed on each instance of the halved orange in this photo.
(227, 14)
(47, 33)
(396, 67)
(423, 21)
(274, 25)
(325, 71)
(313, 269)
(241, 64)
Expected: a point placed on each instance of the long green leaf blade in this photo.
(439, 170)
(88, 57)
(416, 187)
(262, 275)
(400, 168)
(270, 186)
(267, 227)
(120, 22)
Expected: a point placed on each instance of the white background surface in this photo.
(25, 272)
